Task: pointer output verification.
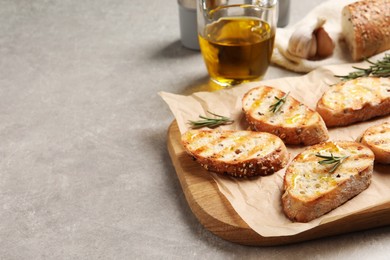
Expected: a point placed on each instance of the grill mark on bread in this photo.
(200, 135)
(258, 100)
(239, 154)
(203, 149)
(355, 100)
(236, 147)
(293, 114)
(379, 135)
(377, 138)
(253, 151)
(353, 94)
(295, 123)
(290, 109)
(311, 190)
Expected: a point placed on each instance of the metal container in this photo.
(284, 13)
(188, 25)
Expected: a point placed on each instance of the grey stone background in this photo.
(84, 169)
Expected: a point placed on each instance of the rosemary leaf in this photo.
(210, 122)
(279, 103)
(336, 160)
(380, 68)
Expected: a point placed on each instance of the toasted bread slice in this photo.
(312, 189)
(377, 138)
(293, 122)
(236, 153)
(355, 100)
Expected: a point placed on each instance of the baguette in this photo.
(355, 100)
(294, 122)
(236, 153)
(312, 189)
(366, 27)
(377, 138)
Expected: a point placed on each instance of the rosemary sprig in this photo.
(380, 68)
(210, 122)
(336, 160)
(279, 103)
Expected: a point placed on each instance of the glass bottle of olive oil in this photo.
(237, 49)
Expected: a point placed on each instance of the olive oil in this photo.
(237, 49)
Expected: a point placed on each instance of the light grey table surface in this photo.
(84, 168)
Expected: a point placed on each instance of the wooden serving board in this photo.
(216, 214)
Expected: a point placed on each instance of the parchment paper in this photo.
(258, 200)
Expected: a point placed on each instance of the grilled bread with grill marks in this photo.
(311, 189)
(355, 100)
(236, 153)
(377, 138)
(294, 122)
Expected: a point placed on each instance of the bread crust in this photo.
(373, 138)
(242, 167)
(304, 133)
(348, 115)
(366, 27)
(304, 209)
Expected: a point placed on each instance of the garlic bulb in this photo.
(311, 41)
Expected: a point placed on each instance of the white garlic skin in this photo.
(311, 41)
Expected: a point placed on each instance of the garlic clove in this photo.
(325, 44)
(303, 42)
